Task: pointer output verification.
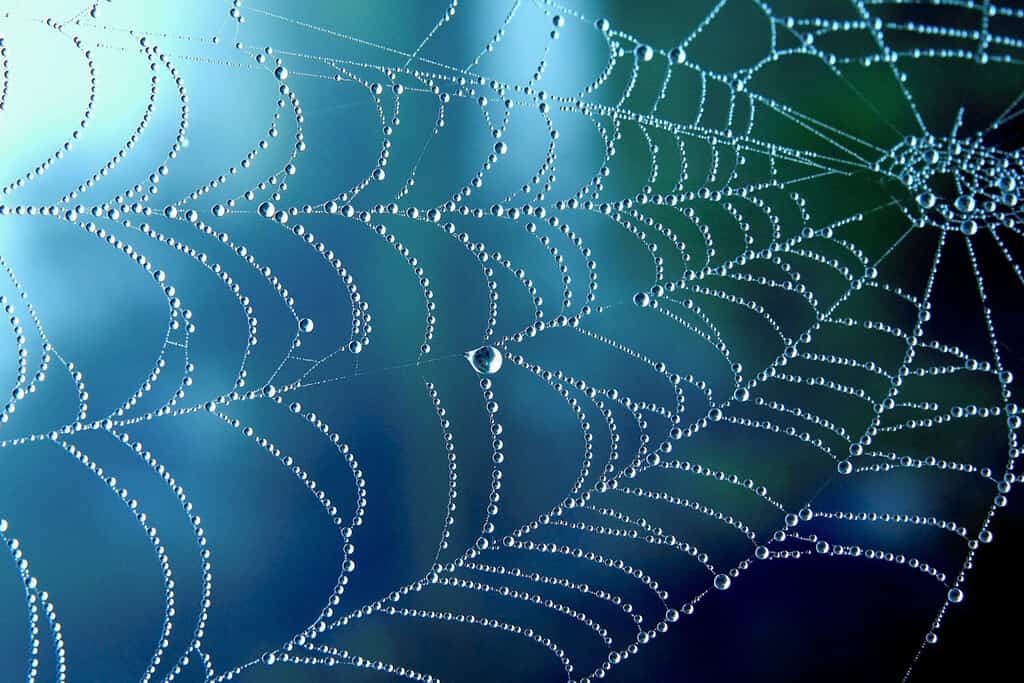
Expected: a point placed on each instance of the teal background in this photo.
(275, 554)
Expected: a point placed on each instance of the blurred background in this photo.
(77, 80)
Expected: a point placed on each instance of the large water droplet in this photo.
(964, 203)
(486, 360)
(926, 200)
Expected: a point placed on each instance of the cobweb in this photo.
(528, 337)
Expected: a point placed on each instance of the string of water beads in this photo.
(35, 598)
(642, 54)
(67, 145)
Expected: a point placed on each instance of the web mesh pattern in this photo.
(569, 333)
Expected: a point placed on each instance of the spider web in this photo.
(753, 284)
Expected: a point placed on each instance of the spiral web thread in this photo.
(753, 183)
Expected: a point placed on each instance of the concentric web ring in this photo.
(486, 340)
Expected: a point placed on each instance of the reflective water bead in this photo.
(964, 203)
(485, 360)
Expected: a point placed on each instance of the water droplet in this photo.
(486, 360)
(964, 203)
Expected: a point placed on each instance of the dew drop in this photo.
(486, 360)
(964, 203)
